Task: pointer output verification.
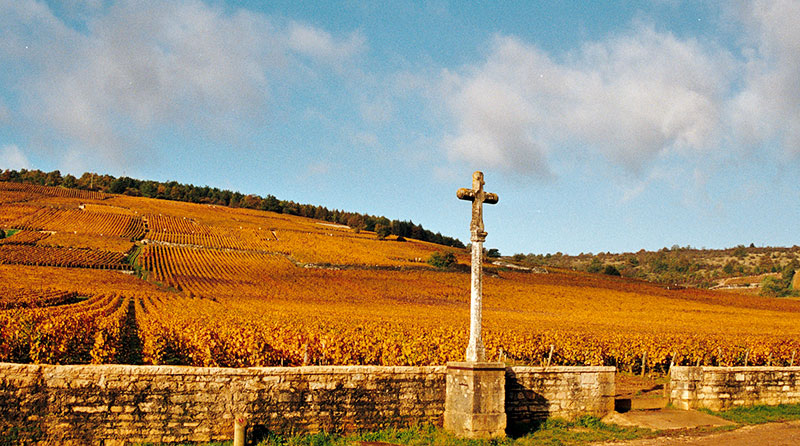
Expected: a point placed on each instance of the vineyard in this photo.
(68, 220)
(99, 278)
(13, 297)
(69, 257)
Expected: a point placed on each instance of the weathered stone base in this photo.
(475, 399)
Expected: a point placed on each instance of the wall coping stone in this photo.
(749, 368)
(191, 370)
(330, 369)
(563, 369)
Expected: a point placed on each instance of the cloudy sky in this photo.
(603, 125)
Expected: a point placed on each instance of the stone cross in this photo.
(475, 350)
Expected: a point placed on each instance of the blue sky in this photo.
(603, 126)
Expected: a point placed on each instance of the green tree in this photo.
(787, 274)
(442, 260)
(774, 287)
(611, 270)
(69, 182)
(382, 231)
(596, 266)
(730, 267)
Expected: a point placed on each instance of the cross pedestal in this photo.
(475, 399)
(475, 402)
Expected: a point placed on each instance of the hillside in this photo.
(189, 193)
(102, 278)
(741, 268)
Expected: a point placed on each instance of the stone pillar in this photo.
(475, 349)
(475, 404)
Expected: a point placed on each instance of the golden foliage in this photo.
(253, 288)
(64, 257)
(72, 220)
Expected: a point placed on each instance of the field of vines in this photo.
(69, 257)
(215, 286)
(78, 220)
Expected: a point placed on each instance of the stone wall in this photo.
(116, 404)
(85, 404)
(720, 388)
(536, 393)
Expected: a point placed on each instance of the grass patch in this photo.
(133, 259)
(10, 232)
(216, 443)
(586, 429)
(759, 414)
(553, 432)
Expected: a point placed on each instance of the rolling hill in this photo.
(90, 277)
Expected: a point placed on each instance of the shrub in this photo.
(595, 267)
(611, 270)
(774, 287)
(442, 260)
(382, 231)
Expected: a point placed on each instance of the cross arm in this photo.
(466, 194)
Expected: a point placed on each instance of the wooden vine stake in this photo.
(746, 357)
(791, 363)
(672, 361)
(550, 356)
(239, 430)
(644, 362)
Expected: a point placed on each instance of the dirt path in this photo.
(770, 434)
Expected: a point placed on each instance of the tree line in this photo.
(172, 190)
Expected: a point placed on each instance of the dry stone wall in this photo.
(88, 404)
(720, 388)
(122, 404)
(536, 393)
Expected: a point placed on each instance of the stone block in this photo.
(475, 399)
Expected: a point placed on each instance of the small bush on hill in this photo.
(611, 270)
(595, 267)
(442, 260)
(382, 231)
(774, 287)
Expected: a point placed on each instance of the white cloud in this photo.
(632, 98)
(321, 45)
(11, 157)
(141, 69)
(769, 105)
